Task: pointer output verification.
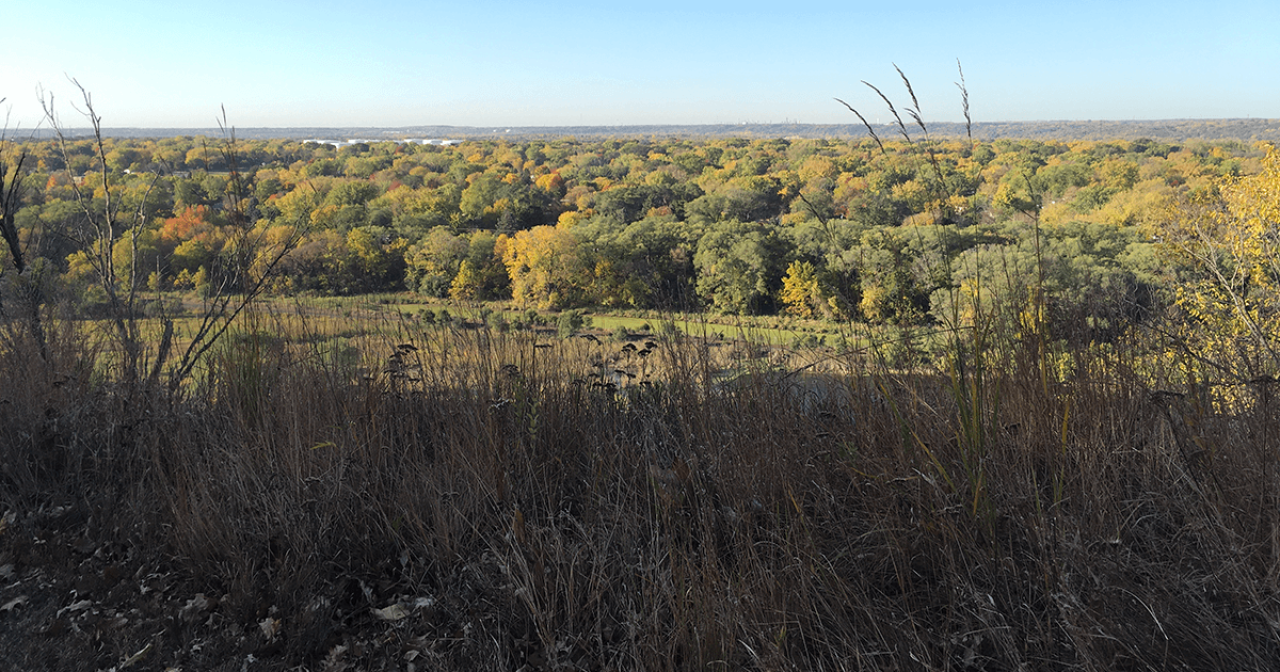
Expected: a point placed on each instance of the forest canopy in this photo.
(837, 229)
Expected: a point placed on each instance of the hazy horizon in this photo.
(505, 64)
(1250, 130)
(501, 127)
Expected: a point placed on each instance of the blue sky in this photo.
(172, 64)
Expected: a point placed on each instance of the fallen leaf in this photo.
(394, 612)
(14, 603)
(196, 606)
(132, 660)
(76, 606)
(113, 623)
(333, 662)
(270, 627)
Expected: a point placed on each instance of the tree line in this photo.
(888, 233)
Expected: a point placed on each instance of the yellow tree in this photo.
(806, 294)
(1231, 238)
(545, 268)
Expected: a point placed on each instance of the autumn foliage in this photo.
(825, 229)
(1046, 441)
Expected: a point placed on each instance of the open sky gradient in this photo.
(387, 63)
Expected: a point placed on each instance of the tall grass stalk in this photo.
(550, 519)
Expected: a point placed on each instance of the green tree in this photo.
(889, 292)
(739, 267)
(434, 261)
(478, 202)
(482, 276)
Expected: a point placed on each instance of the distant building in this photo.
(339, 144)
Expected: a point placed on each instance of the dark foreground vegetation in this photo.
(489, 501)
(1046, 439)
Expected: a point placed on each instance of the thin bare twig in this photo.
(222, 307)
(99, 243)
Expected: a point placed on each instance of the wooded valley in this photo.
(1045, 438)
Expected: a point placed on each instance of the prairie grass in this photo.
(571, 504)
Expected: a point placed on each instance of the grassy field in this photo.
(369, 323)
(346, 485)
(772, 330)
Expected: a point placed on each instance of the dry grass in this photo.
(528, 507)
